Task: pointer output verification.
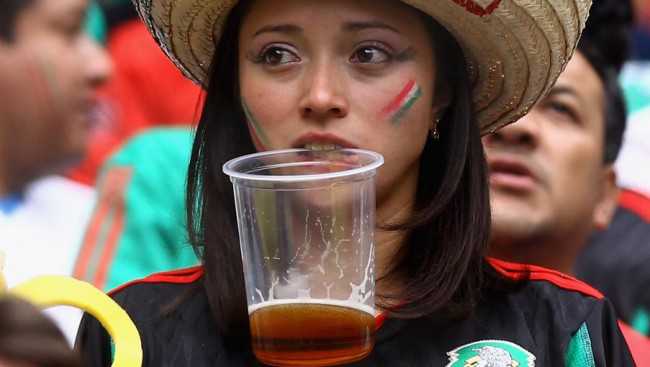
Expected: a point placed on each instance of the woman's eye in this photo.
(275, 56)
(370, 55)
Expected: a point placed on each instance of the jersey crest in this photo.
(490, 353)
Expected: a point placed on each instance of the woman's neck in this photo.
(388, 244)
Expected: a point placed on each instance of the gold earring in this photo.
(435, 135)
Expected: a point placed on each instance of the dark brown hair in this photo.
(28, 336)
(443, 258)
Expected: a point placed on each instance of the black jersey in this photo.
(549, 320)
(616, 261)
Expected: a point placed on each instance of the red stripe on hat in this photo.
(636, 202)
(477, 9)
(533, 272)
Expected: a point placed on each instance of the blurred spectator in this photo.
(138, 226)
(146, 90)
(49, 72)
(29, 339)
(552, 177)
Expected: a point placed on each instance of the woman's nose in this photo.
(325, 94)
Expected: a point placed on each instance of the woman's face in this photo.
(323, 74)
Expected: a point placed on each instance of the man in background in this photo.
(49, 72)
(552, 177)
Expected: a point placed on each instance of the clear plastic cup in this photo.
(306, 225)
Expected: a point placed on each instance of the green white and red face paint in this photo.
(260, 139)
(402, 103)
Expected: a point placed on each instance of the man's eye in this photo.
(370, 55)
(563, 110)
(275, 56)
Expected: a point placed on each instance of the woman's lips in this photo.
(325, 149)
(321, 140)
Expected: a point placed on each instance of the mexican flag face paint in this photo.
(404, 101)
(259, 136)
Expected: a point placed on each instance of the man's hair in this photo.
(605, 43)
(9, 11)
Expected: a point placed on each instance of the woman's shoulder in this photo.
(166, 308)
(163, 296)
(174, 281)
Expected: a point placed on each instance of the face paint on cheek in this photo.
(401, 104)
(260, 140)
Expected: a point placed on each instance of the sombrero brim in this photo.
(515, 49)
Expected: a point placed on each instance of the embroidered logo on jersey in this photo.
(490, 353)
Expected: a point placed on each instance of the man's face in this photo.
(48, 75)
(547, 176)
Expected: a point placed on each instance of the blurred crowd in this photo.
(96, 136)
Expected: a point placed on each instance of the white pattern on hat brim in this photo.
(515, 51)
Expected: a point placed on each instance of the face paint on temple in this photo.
(401, 104)
(260, 140)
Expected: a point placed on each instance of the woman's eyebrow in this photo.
(279, 28)
(359, 26)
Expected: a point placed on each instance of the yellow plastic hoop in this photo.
(47, 291)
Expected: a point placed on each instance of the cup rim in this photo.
(378, 161)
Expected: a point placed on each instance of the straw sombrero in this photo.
(515, 49)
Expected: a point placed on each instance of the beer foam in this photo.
(314, 301)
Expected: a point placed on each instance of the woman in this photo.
(419, 87)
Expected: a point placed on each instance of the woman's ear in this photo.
(606, 206)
